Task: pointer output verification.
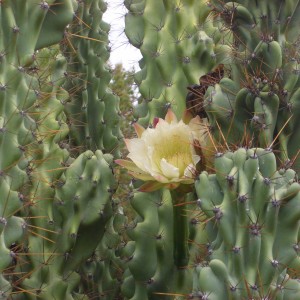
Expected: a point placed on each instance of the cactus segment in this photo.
(256, 219)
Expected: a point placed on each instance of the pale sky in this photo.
(122, 51)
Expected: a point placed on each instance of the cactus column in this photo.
(20, 138)
(92, 109)
(173, 39)
(259, 103)
(253, 213)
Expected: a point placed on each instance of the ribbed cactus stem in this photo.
(181, 232)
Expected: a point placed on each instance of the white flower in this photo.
(164, 155)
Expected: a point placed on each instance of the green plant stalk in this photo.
(181, 229)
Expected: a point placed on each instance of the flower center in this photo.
(179, 160)
(175, 149)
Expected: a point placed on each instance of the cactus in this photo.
(253, 213)
(22, 130)
(173, 39)
(92, 108)
(248, 107)
(63, 233)
(156, 236)
(102, 272)
(258, 103)
(248, 246)
(39, 240)
(79, 206)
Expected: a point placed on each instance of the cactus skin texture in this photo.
(92, 109)
(80, 205)
(22, 132)
(62, 236)
(101, 274)
(258, 104)
(173, 37)
(249, 247)
(253, 213)
(42, 242)
(163, 239)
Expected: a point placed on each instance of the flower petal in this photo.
(187, 181)
(199, 129)
(138, 153)
(134, 170)
(189, 171)
(154, 167)
(169, 170)
(128, 165)
(155, 121)
(151, 186)
(171, 117)
(173, 185)
(138, 129)
(196, 159)
(141, 176)
(187, 116)
(160, 178)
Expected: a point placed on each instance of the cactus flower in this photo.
(164, 155)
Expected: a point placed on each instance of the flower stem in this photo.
(181, 232)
